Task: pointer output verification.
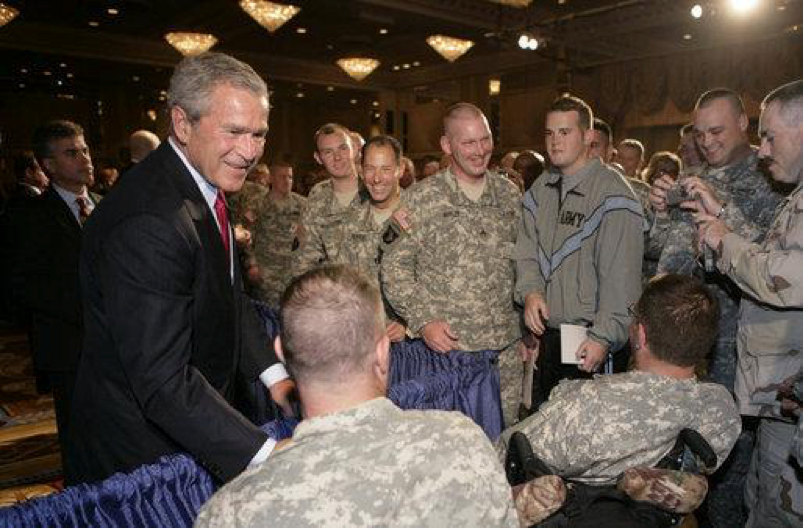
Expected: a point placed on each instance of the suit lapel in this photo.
(61, 212)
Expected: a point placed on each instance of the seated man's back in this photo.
(373, 465)
(356, 459)
(593, 430)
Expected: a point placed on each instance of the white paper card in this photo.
(572, 336)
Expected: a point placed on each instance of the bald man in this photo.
(451, 277)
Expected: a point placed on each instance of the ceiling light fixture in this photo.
(269, 15)
(494, 87)
(191, 43)
(358, 68)
(449, 47)
(696, 11)
(113, 11)
(301, 31)
(514, 3)
(94, 23)
(528, 42)
(743, 6)
(383, 31)
(7, 14)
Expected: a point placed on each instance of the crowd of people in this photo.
(683, 275)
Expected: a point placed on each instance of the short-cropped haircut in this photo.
(331, 319)
(55, 130)
(383, 140)
(568, 103)
(728, 94)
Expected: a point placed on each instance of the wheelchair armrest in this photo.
(690, 448)
(521, 464)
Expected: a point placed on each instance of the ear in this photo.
(444, 141)
(181, 124)
(317, 158)
(278, 349)
(588, 137)
(382, 362)
(641, 336)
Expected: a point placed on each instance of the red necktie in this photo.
(83, 209)
(223, 221)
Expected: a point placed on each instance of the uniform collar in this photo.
(576, 182)
(489, 195)
(368, 411)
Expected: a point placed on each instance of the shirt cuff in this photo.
(263, 453)
(272, 375)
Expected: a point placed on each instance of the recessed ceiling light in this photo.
(135, 78)
(687, 36)
(416, 63)
(69, 75)
(22, 85)
(59, 82)
(383, 31)
(299, 94)
(375, 103)
(330, 47)
(47, 72)
(113, 11)
(406, 66)
(353, 101)
(63, 65)
(330, 89)
(94, 23)
(301, 31)
(396, 67)
(23, 70)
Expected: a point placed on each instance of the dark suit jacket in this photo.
(46, 280)
(167, 332)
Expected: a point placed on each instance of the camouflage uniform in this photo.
(246, 200)
(323, 222)
(769, 346)
(750, 207)
(455, 264)
(372, 465)
(593, 430)
(275, 242)
(642, 191)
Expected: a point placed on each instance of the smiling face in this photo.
(468, 141)
(336, 153)
(780, 144)
(381, 172)
(566, 142)
(225, 143)
(720, 132)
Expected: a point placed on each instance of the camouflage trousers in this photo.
(772, 489)
(511, 372)
(724, 503)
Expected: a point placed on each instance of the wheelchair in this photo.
(605, 505)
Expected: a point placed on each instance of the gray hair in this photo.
(196, 77)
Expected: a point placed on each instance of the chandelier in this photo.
(358, 68)
(7, 14)
(191, 43)
(513, 3)
(450, 48)
(269, 15)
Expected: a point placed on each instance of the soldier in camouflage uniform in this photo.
(330, 202)
(357, 460)
(276, 235)
(451, 277)
(769, 342)
(594, 430)
(243, 203)
(721, 130)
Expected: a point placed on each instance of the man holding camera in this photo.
(720, 125)
(769, 334)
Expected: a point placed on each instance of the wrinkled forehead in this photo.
(467, 124)
(335, 139)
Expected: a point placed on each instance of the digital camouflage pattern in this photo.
(593, 430)
(539, 498)
(323, 222)
(276, 237)
(246, 200)
(455, 263)
(751, 203)
(670, 490)
(372, 465)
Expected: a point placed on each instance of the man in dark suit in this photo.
(169, 332)
(47, 247)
